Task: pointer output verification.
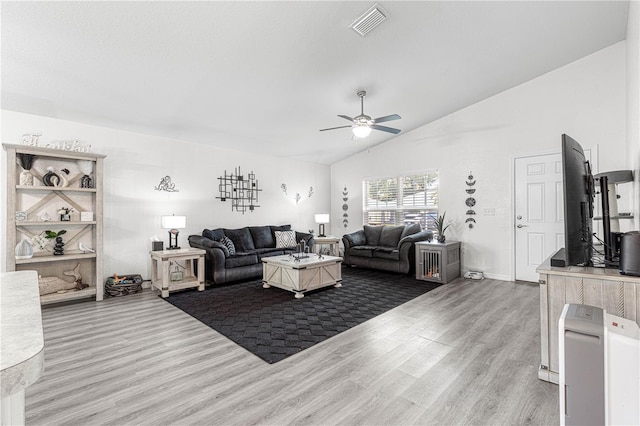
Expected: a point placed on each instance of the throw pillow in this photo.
(262, 236)
(285, 239)
(390, 236)
(214, 235)
(229, 245)
(373, 234)
(410, 230)
(241, 239)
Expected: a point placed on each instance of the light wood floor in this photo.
(465, 353)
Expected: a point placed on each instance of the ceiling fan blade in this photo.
(387, 118)
(386, 129)
(333, 128)
(346, 118)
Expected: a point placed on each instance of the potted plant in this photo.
(58, 248)
(440, 225)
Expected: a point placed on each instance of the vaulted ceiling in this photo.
(266, 76)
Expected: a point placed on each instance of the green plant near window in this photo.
(441, 227)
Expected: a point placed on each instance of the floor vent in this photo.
(367, 22)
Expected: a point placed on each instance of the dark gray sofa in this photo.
(251, 244)
(390, 248)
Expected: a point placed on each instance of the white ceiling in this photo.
(266, 76)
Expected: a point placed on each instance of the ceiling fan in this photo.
(362, 124)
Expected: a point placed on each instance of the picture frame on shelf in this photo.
(86, 216)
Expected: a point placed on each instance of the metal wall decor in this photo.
(241, 190)
(166, 185)
(345, 207)
(297, 197)
(470, 201)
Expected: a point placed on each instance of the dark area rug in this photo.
(274, 325)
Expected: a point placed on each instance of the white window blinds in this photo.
(402, 200)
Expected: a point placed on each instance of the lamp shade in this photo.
(174, 222)
(361, 131)
(322, 218)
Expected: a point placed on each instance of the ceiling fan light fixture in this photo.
(361, 130)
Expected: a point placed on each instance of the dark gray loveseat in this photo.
(251, 244)
(390, 248)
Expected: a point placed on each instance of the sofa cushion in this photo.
(373, 234)
(241, 239)
(231, 248)
(269, 253)
(410, 230)
(384, 254)
(215, 235)
(362, 251)
(285, 239)
(390, 236)
(241, 259)
(356, 239)
(262, 236)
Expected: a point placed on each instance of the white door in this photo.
(539, 212)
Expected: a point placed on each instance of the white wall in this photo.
(134, 165)
(585, 99)
(633, 100)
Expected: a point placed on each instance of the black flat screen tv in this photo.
(578, 191)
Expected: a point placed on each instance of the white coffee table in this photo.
(300, 276)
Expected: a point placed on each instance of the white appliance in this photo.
(599, 367)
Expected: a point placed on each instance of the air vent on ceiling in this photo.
(369, 20)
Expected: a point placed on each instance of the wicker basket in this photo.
(121, 285)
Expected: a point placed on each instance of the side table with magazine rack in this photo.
(188, 270)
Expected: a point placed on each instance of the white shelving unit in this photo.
(36, 200)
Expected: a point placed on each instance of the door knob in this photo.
(521, 226)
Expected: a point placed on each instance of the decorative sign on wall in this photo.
(243, 192)
(166, 185)
(33, 139)
(471, 200)
(345, 207)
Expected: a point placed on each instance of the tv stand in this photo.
(604, 288)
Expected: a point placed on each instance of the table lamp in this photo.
(321, 218)
(173, 223)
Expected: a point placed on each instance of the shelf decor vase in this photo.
(26, 161)
(58, 248)
(26, 178)
(86, 167)
(24, 250)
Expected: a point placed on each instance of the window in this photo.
(402, 200)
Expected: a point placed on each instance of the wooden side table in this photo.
(331, 241)
(166, 280)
